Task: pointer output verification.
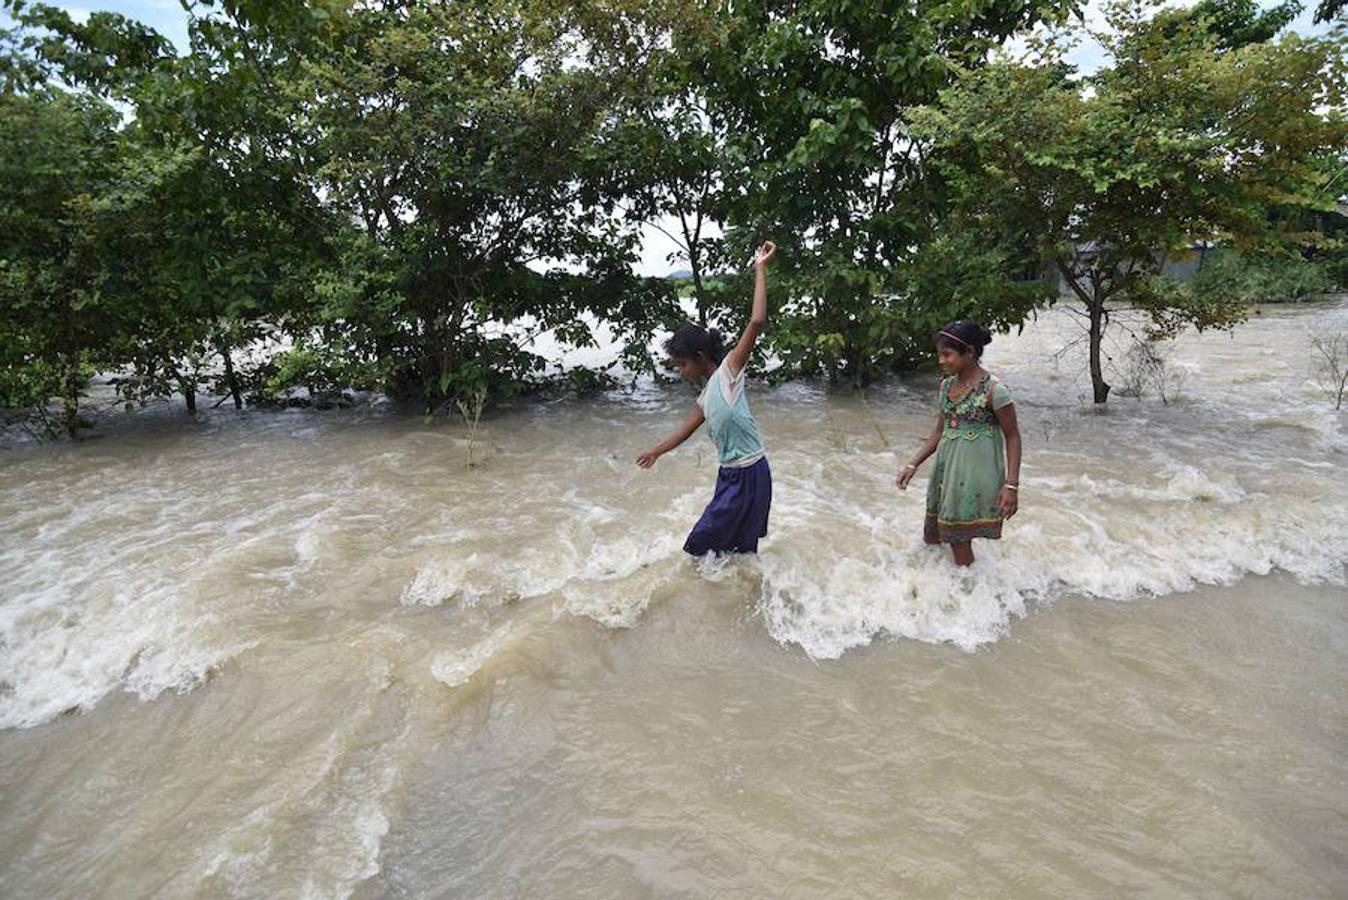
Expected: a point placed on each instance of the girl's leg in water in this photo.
(963, 553)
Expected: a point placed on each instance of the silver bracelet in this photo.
(1014, 487)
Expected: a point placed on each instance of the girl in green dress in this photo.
(976, 479)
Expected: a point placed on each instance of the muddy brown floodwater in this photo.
(312, 654)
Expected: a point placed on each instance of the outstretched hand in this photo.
(765, 253)
(647, 459)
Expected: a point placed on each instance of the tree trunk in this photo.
(437, 357)
(188, 388)
(70, 400)
(690, 239)
(1095, 308)
(697, 293)
(1097, 333)
(231, 376)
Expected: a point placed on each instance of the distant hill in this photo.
(680, 274)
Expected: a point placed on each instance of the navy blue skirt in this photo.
(737, 515)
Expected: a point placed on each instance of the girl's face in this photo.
(952, 361)
(693, 370)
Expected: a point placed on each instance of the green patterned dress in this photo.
(970, 465)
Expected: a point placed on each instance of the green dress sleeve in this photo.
(940, 395)
(1001, 395)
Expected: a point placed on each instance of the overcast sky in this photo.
(167, 17)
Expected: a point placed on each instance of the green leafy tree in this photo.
(1260, 278)
(212, 226)
(1104, 179)
(1234, 23)
(462, 144)
(815, 99)
(60, 318)
(1328, 10)
(662, 142)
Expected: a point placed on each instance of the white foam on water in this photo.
(138, 587)
(309, 543)
(828, 602)
(593, 564)
(239, 857)
(490, 576)
(60, 653)
(339, 807)
(152, 607)
(445, 580)
(348, 842)
(836, 579)
(620, 577)
(456, 667)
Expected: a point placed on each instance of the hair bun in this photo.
(972, 333)
(965, 334)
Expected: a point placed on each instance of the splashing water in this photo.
(309, 608)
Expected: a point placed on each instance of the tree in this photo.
(1104, 179)
(462, 145)
(815, 99)
(408, 192)
(661, 139)
(210, 227)
(1234, 23)
(1328, 10)
(59, 316)
(1331, 372)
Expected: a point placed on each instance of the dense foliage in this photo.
(407, 197)
(1186, 140)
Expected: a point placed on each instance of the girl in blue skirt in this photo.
(738, 513)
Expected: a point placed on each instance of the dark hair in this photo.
(690, 340)
(963, 335)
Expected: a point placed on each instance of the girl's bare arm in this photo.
(690, 425)
(1008, 499)
(927, 449)
(758, 317)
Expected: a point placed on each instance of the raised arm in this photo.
(690, 424)
(739, 354)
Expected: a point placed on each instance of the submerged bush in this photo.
(1259, 278)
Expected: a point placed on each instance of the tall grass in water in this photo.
(1146, 366)
(1332, 366)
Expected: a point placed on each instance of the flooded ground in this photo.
(314, 654)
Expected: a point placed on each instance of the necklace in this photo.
(968, 389)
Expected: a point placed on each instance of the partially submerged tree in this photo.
(208, 227)
(407, 193)
(1106, 178)
(461, 141)
(60, 320)
(816, 99)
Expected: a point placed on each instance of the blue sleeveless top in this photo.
(729, 422)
